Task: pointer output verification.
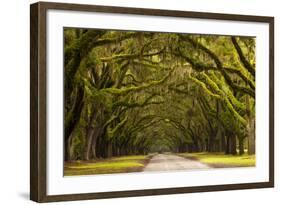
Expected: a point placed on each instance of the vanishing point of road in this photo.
(168, 162)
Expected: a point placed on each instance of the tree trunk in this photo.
(94, 145)
(227, 145)
(90, 134)
(230, 143)
(251, 137)
(250, 127)
(211, 143)
(233, 145)
(72, 118)
(223, 143)
(109, 149)
(241, 145)
(68, 148)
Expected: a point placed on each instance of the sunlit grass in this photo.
(107, 166)
(222, 160)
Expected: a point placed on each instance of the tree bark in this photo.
(90, 134)
(250, 128)
(211, 143)
(251, 137)
(230, 143)
(233, 150)
(109, 149)
(94, 145)
(72, 118)
(68, 148)
(241, 145)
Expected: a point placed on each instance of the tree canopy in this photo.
(139, 92)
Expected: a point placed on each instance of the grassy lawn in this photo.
(107, 166)
(220, 160)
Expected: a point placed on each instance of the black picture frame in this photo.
(38, 102)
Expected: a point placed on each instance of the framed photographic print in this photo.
(134, 102)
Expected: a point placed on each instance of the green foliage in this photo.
(144, 90)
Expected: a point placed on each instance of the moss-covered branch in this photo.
(124, 91)
(204, 87)
(126, 56)
(112, 132)
(244, 61)
(219, 66)
(225, 91)
(246, 79)
(225, 97)
(221, 95)
(143, 104)
(206, 67)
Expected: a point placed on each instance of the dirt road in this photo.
(166, 162)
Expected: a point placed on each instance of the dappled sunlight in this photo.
(220, 159)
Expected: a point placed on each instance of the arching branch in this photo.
(244, 61)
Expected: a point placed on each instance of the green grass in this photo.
(222, 160)
(107, 166)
